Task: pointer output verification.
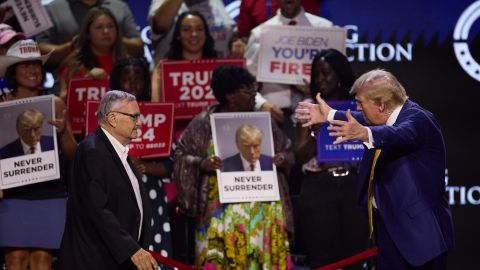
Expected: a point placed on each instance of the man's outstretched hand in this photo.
(311, 114)
(349, 130)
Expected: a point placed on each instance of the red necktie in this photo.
(292, 23)
(32, 149)
(252, 167)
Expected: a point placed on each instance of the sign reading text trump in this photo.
(344, 152)
(244, 142)
(187, 84)
(80, 91)
(154, 137)
(286, 52)
(28, 145)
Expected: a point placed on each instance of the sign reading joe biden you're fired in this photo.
(286, 52)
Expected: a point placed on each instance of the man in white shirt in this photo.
(290, 12)
(107, 213)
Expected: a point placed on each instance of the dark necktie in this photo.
(370, 191)
(32, 149)
(252, 167)
(292, 23)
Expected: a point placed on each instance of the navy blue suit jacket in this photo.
(409, 183)
(15, 148)
(234, 163)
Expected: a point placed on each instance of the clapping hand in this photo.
(97, 73)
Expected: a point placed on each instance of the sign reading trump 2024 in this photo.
(344, 152)
(154, 136)
(80, 91)
(244, 142)
(28, 145)
(187, 84)
(286, 52)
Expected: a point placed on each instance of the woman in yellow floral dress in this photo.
(251, 235)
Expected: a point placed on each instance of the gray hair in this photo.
(383, 86)
(110, 101)
(30, 117)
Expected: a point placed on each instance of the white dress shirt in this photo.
(27, 148)
(246, 165)
(122, 152)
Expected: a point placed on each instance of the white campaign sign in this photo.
(31, 15)
(18, 168)
(29, 169)
(236, 184)
(248, 186)
(286, 52)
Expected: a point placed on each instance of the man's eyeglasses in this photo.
(134, 117)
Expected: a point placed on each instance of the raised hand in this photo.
(349, 130)
(311, 114)
(97, 73)
(60, 122)
(276, 113)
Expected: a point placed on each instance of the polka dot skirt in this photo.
(160, 225)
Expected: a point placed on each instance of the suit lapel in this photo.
(117, 161)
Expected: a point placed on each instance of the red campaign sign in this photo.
(79, 92)
(155, 133)
(187, 84)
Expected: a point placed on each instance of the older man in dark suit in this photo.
(107, 211)
(401, 177)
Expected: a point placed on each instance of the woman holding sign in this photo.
(32, 217)
(252, 235)
(98, 46)
(331, 226)
(191, 40)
